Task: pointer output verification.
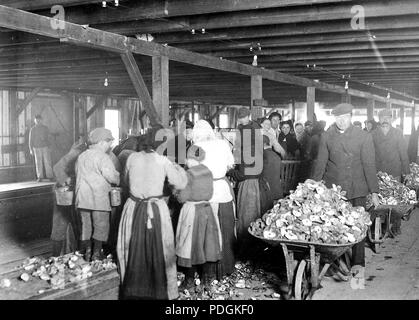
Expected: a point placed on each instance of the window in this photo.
(112, 123)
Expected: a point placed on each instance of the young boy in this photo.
(95, 174)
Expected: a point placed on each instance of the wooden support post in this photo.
(83, 115)
(311, 98)
(370, 109)
(21, 105)
(140, 87)
(232, 117)
(413, 118)
(97, 106)
(13, 127)
(402, 114)
(346, 98)
(161, 88)
(293, 114)
(217, 113)
(76, 118)
(256, 93)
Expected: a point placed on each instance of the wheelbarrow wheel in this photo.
(377, 234)
(302, 281)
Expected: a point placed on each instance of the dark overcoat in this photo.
(347, 159)
(390, 152)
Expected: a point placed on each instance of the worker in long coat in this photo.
(391, 155)
(146, 244)
(64, 218)
(346, 157)
(249, 157)
(390, 147)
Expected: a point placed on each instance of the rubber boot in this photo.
(57, 246)
(97, 250)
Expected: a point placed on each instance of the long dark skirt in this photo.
(197, 236)
(227, 225)
(150, 270)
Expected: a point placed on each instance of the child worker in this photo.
(95, 173)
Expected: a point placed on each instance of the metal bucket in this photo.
(64, 196)
(115, 195)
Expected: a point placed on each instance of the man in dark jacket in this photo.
(271, 170)
(346, 158)
(287, 140)
(390, 148)
(39, 148)
(390, 155)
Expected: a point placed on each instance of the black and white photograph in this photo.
(207, 155)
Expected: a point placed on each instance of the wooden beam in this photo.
(29, 5)
(256, 95)
(149, 9)
(370, 109)
(140, 87)
(260, 103)
(287, 41)
(21, 105)
(76, 119)
(274, 16)
(160, 80)
(98, 104)
(32, 23)
(402, 114)
(289, 29)
(311, 98)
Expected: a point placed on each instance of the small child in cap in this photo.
(95, 172)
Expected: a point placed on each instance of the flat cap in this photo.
(385, 113)
(243, 112)
(100, 134)
(308, 123)
(342, 108)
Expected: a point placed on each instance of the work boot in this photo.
(97, 250)
(57, 247)
(189, 281)
(209, 273)
(86, 249)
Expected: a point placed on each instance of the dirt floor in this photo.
(391, 274)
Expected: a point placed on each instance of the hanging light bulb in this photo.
(203, 30)
(346, 85)
(314, 65)
(193, 31)
(116, 3)
(251, 48)
(106, 82)
(103, 4)
(255, 60)
(388, 95)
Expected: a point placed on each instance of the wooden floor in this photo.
(12, 254)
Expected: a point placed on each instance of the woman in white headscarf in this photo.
(219, 159)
